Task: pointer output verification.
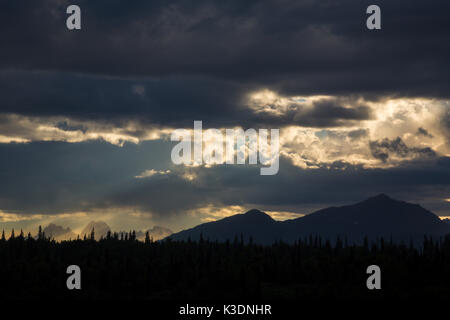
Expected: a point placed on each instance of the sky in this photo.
(86, 116)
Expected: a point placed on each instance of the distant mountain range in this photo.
(101, 229)
(59, 233)
(376, 217)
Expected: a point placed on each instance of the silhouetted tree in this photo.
(40, 237)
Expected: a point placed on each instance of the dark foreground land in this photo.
(188, 271)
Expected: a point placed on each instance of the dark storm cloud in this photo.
(170, 101)
(385, 148)
(295, 47)
(325, 112)
(51, 178)
(327, 109)
(328, 112)
(63, 125)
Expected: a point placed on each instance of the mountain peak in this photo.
(258, 215)
(254, 212)
(381, 196)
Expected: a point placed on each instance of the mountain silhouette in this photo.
(100, 229)
(58, 232)
(254, 223)
(376, 217)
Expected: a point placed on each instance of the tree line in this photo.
(121, 267)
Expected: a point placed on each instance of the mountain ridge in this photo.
(375, 217)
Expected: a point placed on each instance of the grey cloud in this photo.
(385, 148)
(63, 125)
(171, 101)
(325, 112)
(175, 101)
(328, 112)
(423, 132)
(445, 124)
(298, 47)
(357, 134)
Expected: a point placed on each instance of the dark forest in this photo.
(124, 268)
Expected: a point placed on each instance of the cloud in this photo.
(168, 102)
(151, 173)
(424, 132)
(139, 90)
(13, 217)
(105, 107)
(385, 149)
(18, 128)
(301, 46)
(309, 111)
(445, 123)
(358, 134)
